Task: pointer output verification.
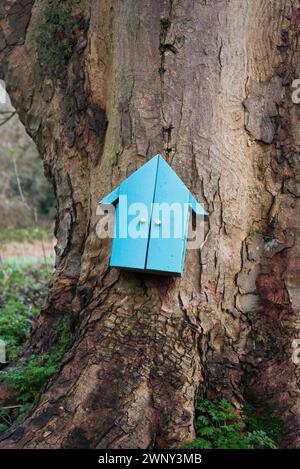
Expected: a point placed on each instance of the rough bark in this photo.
(208, 84)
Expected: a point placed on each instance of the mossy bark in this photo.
(207, 84)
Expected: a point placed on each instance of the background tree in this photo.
(101, 86)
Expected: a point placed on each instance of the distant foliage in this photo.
(55, 38)
(16, 145)
(219, 428)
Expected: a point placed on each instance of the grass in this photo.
(218, 427)
(23, 261)
(23, 235)
(22, 292)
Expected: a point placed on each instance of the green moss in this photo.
(218, 427)
(55, 38)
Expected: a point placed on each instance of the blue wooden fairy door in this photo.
(152, 219)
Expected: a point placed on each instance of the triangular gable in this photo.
(154, 164)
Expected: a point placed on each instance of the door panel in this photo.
(169, 222)
(131, 237)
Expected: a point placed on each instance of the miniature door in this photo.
(152, 213)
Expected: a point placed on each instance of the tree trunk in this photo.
(208, 85)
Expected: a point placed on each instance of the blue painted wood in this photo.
(171, 209)
(130, 242)
(157, 245)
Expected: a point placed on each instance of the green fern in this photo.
(219, 428)
(28, 378)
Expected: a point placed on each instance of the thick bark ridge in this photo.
(207, 84)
